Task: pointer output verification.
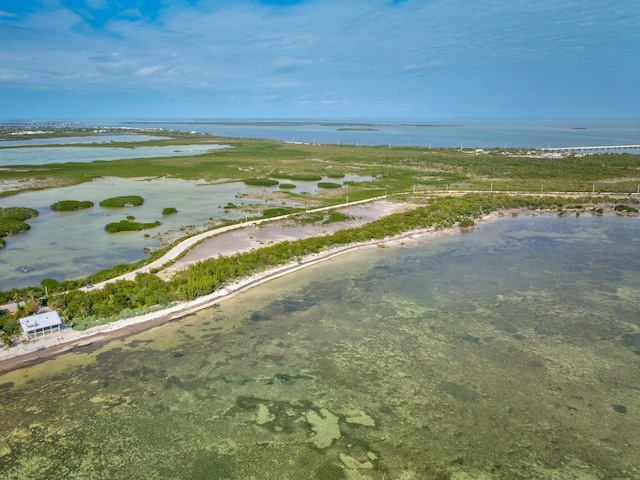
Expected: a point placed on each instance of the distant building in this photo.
(41, 324)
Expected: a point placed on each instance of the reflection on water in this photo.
(509, 352)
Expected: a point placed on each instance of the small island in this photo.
(70, 205)
(306, 178)
(355, 129)
(169, 211)
(260, 182)
(329, 185)
(122, 202)
(12, 221)
(129, 226)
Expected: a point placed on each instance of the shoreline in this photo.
(67, 340)
(54, 344)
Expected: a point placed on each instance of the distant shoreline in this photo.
(285, 123)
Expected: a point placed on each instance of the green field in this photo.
(394, 169)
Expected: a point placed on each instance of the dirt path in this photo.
(257, 236)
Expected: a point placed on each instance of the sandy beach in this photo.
(227, 243)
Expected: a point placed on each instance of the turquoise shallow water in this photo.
(509, 352)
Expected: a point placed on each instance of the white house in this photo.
(40, 324)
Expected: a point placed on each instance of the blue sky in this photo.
(319, 59)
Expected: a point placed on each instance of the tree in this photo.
(6, 339)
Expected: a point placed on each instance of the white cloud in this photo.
(355, 49)
(10, 75)
(147, 71)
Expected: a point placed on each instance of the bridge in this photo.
(592, 149)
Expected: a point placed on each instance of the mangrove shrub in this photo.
(329, 185)
(129, 226)
(261, 182)
(12, 220)
(70, 205)
(124, 201)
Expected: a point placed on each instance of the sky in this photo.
(319, 59)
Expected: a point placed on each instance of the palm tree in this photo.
(31, 303)
(17, 297)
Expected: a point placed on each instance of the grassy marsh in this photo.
(393, 169)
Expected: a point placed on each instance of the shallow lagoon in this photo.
(508, 352)
(67, 245)
(45, 155)
(100, 138)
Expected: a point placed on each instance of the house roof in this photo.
(37, 322)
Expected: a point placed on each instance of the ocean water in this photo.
(512, 351)
(474, 133)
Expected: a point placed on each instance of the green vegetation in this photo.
(260, 182)
(306, 178)
(8, 325)
(303, 177)
(287, 186)
(279, 211)
(121, 202)
(169, 211)
(29, 301)
(70, 205)
(396, 170)
(122, 298)
(117, 299)
(466, 223)
(625, 208)
(12, 221)
(126, 298)
(313, 217)
(329, 185)
(129, 226)
(335, 217)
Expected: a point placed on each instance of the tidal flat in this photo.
(512, 351)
